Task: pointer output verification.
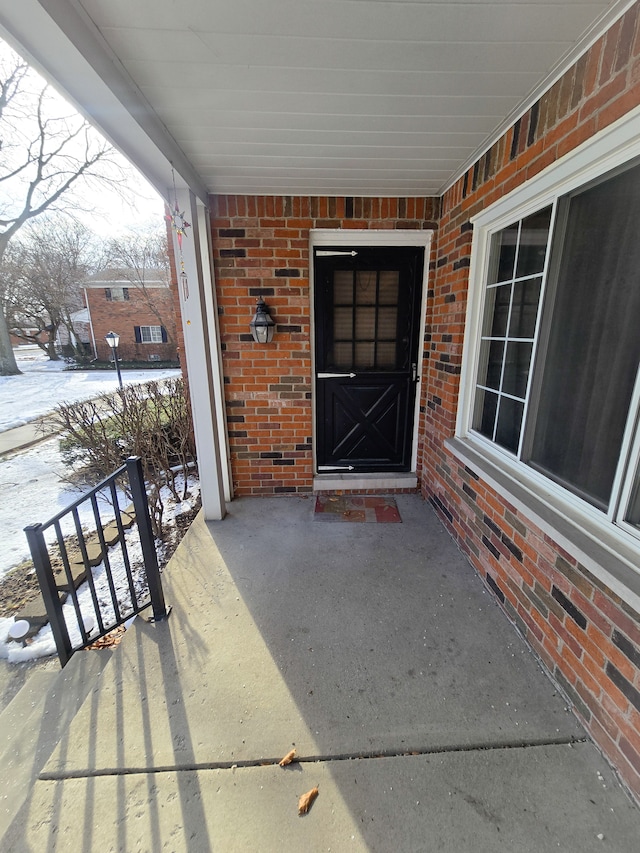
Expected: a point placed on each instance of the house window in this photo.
(150, 334)
(116, 294)
(557, 354)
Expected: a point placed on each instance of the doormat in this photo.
(353, 508)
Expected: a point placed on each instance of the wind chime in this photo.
(179, 225)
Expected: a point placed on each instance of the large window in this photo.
(557, 357)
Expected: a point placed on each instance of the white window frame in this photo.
(610, 551)
(152, 340)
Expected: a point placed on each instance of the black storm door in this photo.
(367, 319)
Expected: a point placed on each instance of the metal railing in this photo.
(103, 617)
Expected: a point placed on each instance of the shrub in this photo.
(152, 420)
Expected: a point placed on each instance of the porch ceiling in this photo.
(335, 97)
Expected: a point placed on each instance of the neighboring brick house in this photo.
(144, 317)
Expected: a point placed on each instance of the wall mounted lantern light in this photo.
(113, 340)
(262, 326)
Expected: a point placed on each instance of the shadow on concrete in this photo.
(375, 650)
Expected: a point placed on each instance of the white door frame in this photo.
(350, 237)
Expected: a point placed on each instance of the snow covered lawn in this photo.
(46, 383)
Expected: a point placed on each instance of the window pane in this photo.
(503, 254)
(501, 297)
(491, 355)
(516, 369)
(532, 250)
(509, 423)
(342, 356)
(389, 287)
(343, 287)
(594, 345)
(633, 514)
(387, 322)
(365, 323)
(524, 310)
(342, 323)
(386, 356)
(366, 287)
(486, 408)
(365, 356)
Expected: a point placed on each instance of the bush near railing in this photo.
(151, 420)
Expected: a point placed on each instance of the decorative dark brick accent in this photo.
(577, 615)
(287, 273)
(533, 123)
(437, 503)
(233, 253)
(494, 586)
(627, 648)
(469, 491)
(623, 685)
(515, 139)
(462, 263)
(261, 291)
(270, 455)
(232, 232)
(491, 547)
(517, 553)
(492, 525)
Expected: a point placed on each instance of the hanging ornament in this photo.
(179, 225)
(184, 282)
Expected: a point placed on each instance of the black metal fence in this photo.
(109, 607)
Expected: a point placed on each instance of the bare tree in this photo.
(42, 274)
(142, 258)
(46, 151)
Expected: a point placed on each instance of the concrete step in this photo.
(34, 722)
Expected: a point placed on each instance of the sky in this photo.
(111, 214)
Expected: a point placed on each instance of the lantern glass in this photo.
(112, 339)
(262, 326)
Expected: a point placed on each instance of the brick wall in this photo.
(261, 247)
(122, 317)
(587, 637)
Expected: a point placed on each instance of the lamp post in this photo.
(113, 340)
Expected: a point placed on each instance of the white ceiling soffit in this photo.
(316, 97)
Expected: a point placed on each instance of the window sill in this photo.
(601, 548)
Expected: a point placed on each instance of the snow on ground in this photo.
(32, 491)
(45, 383)
(43, 644)
(31, 487)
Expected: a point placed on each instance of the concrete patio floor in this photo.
(374, 650)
